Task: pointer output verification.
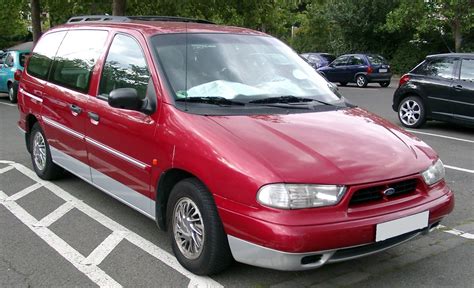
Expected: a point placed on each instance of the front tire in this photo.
(384, 84)
(411, 112)
(196, 231)
(361, 81)
(41, 155)
(11, 94)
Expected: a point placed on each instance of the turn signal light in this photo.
(17, 75)
(369, 70)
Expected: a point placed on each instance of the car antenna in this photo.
(186, 69)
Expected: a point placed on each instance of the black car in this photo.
(439, 88)
(358, 68)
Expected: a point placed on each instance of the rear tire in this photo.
(196, 231)
(41, 155)
(411, 112)
(361, 81)
(11, 94)
(384, 84)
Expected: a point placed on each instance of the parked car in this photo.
(439, 88)
(318, 60)
(226, 138)
(361, 69)
(9, 64)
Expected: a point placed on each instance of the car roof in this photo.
(463, 55)
(149, 27)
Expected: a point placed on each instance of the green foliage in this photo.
(13, 24)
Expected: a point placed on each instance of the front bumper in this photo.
(335, 242)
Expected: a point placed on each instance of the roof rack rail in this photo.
(108, 18)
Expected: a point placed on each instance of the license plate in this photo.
(401, 226)
(383, 70)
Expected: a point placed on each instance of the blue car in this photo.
(9, 63)
(361, 69)
(318, 60)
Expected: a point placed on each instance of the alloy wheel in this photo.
(39, 151)
(410, 112)
(188, 228)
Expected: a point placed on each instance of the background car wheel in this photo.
(197, 234)
(11, 94)
(411, 112)
(384, 84)
(343, 83)
(361, 81)
(41, 155)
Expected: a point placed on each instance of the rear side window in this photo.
(467, 70)
(438, 67)
(356, 60)
(10, 60)
(125, 67)
(43, 54)
(76, 58)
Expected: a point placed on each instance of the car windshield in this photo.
(242, 68)
(376, 59)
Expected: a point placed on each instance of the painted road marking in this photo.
(8, 104)
(89, 265)
(459, 169)
(6, 169)
(440, 136)
(456, 232)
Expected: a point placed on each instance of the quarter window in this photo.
(437, 68)
(125, 67)
(467, 70)
(76, 58)
(43, 54)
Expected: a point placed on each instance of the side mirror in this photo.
(125, 98)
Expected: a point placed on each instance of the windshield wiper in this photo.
(214, 100)
(288, 99)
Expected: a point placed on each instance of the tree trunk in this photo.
(457, 37)
(36, 19)
(118, 7)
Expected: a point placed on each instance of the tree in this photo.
(36, 19)
(118, 7)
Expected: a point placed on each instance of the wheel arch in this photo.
(410, 93)
(30, 121)
(168, 179)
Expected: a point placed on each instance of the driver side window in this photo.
(340, 61)
(125, 67)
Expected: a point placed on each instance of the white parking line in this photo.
(459, 169)
(8, 104)
(456, 232)
(89, 265)
(440, 136)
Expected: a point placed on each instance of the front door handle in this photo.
(458, 87)
(94, 117)
(75, 110)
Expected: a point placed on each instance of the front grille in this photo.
(375, 193)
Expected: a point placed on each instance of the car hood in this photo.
(347, 146)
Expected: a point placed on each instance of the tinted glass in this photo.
(355, 60)
(76, 58)
(341, 61)
(43, 54)
(376, 59)
(23, 58)
(125, 67)
(467, 70)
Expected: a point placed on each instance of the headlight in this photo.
(298, 196)
(434, 174)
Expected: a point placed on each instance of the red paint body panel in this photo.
(236, 155)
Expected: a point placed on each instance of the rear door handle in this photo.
(94, 117)
(75, 110)
(458, 87)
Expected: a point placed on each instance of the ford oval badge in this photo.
(389, 191)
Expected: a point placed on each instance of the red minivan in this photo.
(227, 139)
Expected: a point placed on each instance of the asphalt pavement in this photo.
(67, 233)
